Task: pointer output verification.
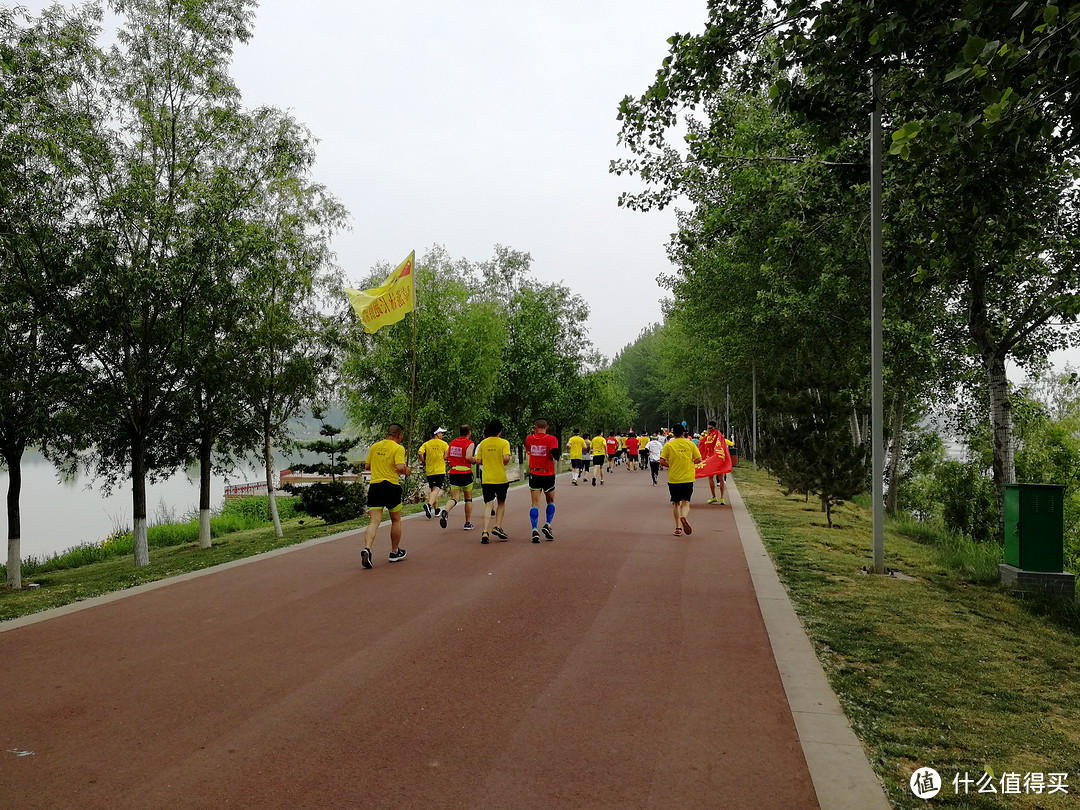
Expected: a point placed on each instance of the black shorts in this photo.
(437, 481)
(576, 463)
(384, 495)
(598, 459)
(544, 482)
(495, 492)
(643, 455)
(681, 492)
(460, 480)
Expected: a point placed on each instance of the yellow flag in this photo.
(389, 302)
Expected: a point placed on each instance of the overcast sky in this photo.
(475, 123)
(478, 123)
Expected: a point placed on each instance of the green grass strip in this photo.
(950, 671)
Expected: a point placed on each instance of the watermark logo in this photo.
(926, 783)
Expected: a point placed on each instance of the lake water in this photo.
(58, 515)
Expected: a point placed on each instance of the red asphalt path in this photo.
(616, 667)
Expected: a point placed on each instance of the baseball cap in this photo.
(440, 430)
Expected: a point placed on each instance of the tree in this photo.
(40, 201)
(544, 355)
(334, 501)
(986, 251)
(807, 442)
(259, 229)
(460, 338)
(165, 87)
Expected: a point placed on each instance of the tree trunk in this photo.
(268, 463)
(206, 444)
(1001, 422)
(892, 499)
(138, 500)
(856, 432)
(14, 555)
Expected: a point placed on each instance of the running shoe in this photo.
(722, 502)
(484, 538)
(498, 532)
(365, 557)
(678, 532)
(547, 531)
(397, 556)
(601, 482)
(594, 481)
(536, 536)
(574, 482)
(427, 509)
(686, 526)
(442, 518)
(468, 527)
(712, 500)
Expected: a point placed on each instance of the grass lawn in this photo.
(949, 671)
(56, 588)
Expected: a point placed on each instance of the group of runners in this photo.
(448, 467)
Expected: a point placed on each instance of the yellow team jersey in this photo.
(383, 458)
(622, 442)
(681, 455)
(434, 453)
(577, 445)
(599, 445)
(492, 452)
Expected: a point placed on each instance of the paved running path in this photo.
(616, 667)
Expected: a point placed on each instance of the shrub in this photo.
(333, 501)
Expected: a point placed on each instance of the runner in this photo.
(576, 446)
(643, 451)
(432, 455)
(612, 445)
(632, 448)
(386, 461)
(542, 450)
(494, 454)
(598, 446)
(586, 455)
(460, 457)
(712, 442)
(654, 448)
(679, 456)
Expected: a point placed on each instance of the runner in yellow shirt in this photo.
(432, 454)
(599, 447)
(679, 456)
(577, 447)
(493, 453)
(386, 460)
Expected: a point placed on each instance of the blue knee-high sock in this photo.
(550, 512)
(534, 515)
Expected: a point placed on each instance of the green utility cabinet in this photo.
(1035, 527)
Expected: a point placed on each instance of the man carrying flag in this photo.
(716, 460)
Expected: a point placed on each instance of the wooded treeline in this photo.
(168, 292)
(757, 128)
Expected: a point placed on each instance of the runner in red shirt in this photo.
(612, 451)
(459, 461)
(542, 450)
(632, 448)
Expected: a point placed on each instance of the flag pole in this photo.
(412, 390)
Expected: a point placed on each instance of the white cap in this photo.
(440, 430)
